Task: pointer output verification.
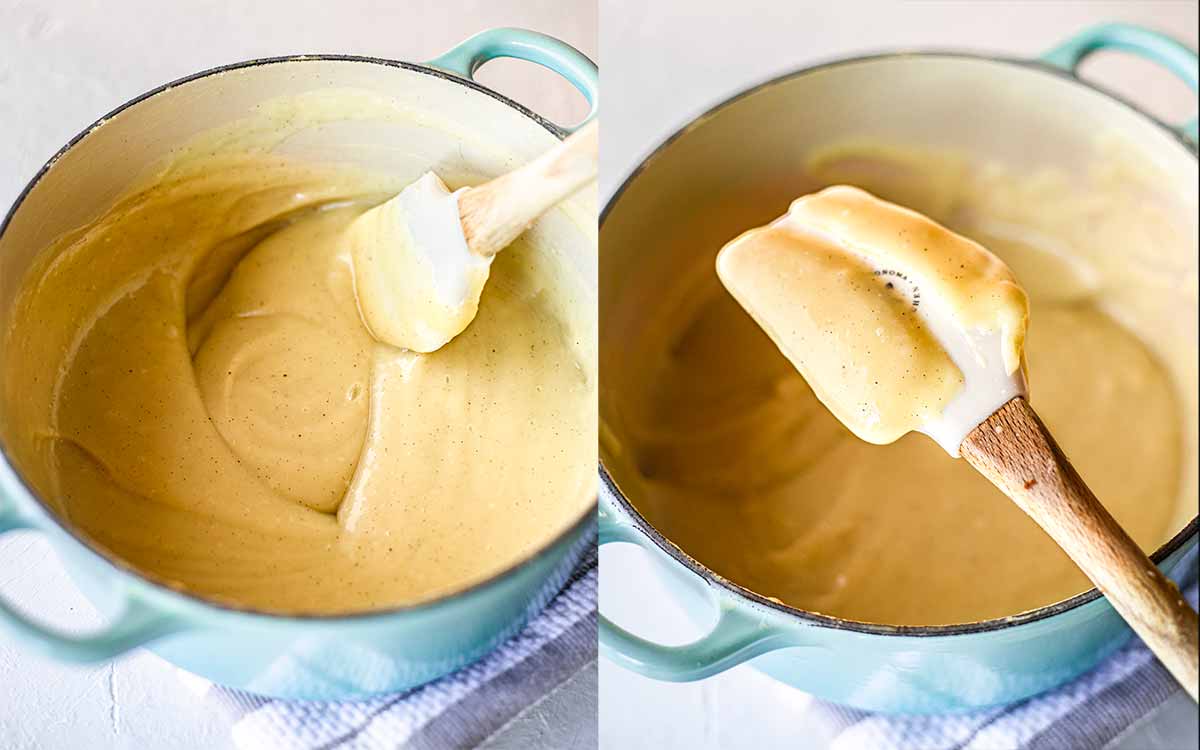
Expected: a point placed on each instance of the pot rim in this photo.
(1173, 545)
(177, 594)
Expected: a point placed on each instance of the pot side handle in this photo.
(736, 637)
(137, 624)
(556, 55)
(1150, 45)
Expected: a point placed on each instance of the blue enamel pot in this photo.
(333, 657)
(1009, 110)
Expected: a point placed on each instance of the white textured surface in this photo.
(63, 63)
(669, 60)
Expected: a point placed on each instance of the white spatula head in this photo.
(896, 322)
(417, 282)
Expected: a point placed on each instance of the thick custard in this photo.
(722, 445)
(194, 388)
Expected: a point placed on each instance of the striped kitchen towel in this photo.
(1082, 715)
(460, 710)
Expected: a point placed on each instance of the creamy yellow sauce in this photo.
(192, 386)
(844, 284)
(722, 445)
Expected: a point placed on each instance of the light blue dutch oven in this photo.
(298, 657)
(1018, 111)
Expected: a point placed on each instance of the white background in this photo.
(62, 65)
(665, 62)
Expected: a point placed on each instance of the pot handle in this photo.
(467, 57)
(1151, 45)
(137, 624)
(736, 637)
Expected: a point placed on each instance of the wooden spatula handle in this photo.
(493, 214)
(1016, 452)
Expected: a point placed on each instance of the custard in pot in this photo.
(191, 384)
(723, 447)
